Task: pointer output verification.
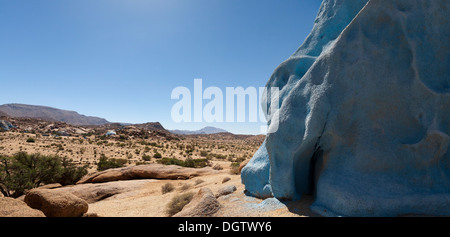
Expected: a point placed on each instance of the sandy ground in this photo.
(144, 198)
(88, 150)
(148, 200)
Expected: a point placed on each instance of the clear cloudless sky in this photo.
(121, 59)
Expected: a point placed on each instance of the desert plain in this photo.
(221, 155)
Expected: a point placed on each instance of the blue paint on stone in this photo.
(364, 113)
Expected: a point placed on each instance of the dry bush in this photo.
(178, 202)
(184, 187)
(199, 181)
(234, 170)
(167, 188)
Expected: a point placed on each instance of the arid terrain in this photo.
(143, 145)
(138, 144)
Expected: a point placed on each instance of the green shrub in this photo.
(171, 161)
(146, 157)
(123, 137)
(189, 162)
(195, 163)
(60, 147)
(71, 173)
(235, 164)
(154, 144)
(32, 140)
(107, 163)
(178, 202)
(157, 155)
(22, 172)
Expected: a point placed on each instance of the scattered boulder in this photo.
(226, 190)
(226, 179)
(11, 207)
(54, 203)
(203, 204)
(150, 171)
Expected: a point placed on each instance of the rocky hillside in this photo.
(3, 114)
(43, 126)
(50, 114)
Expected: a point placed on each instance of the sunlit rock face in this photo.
(364, 117)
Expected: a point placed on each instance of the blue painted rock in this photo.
(364, 118)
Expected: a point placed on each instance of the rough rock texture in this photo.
(94, 192)
(50, 186)
(226, 190)
(10, 207)
(255, 175)
(56, 204)
(364, 117)
(203, 204)
(151, 171)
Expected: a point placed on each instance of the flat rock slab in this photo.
(94, 192)
(151, 171)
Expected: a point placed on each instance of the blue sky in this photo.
(121, 59)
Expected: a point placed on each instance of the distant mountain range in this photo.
(74, 118)
(205, 130)
(49, 113)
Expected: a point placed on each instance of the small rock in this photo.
(226, 179)
(56, 204)
(226, 190)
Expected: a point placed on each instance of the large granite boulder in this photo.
(56, 204)
(364, 118)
